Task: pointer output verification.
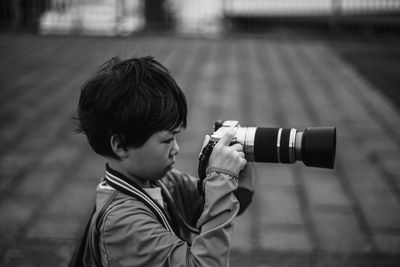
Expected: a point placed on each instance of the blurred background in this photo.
(286, 63)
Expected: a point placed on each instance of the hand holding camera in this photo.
(228, 156)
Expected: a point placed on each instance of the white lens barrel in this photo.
(245, 136)
(268, 144)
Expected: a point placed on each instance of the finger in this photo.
(238, 147)
(228, 136)
(242, 155)
(244, 162)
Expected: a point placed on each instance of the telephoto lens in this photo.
(315, 146)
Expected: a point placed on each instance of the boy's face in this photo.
(156, 157)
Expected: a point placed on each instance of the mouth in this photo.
(170, 166)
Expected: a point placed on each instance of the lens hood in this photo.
(318, 147)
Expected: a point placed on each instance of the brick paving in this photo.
(300, 216)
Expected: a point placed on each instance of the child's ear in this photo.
(118, 146)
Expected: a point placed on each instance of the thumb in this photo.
(228, 136)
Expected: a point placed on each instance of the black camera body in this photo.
(315, 146)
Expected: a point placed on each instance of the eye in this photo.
(170, 140)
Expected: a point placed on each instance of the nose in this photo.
(175, 149)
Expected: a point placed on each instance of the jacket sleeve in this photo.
(131, 235)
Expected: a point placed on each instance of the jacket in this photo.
(191, 230)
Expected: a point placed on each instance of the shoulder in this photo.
(120, 204)
(126, 209)
(127, 222)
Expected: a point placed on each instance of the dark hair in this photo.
(132, 99)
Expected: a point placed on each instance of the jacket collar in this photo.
(125, 185)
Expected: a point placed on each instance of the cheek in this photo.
(160, 154)
(154, 154)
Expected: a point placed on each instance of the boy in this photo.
(147, 213)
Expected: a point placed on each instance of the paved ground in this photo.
(301, 216)
(378, 61)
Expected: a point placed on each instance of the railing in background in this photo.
(362, 16)
(126, 17)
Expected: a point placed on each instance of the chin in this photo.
(160, 175)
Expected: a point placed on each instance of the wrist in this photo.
(211, 169)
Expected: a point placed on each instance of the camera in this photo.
(315, 146)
